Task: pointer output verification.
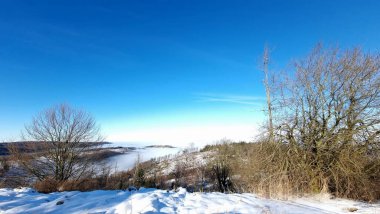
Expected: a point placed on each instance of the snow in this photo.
(26, 200)
(186, 160)
(128, 160)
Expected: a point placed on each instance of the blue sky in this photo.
(166, 66)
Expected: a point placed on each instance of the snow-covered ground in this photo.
(26, 200)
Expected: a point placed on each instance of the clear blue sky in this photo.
(154, 65)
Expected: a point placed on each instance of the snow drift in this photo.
(26, 200)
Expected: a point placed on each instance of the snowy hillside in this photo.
(26, 200)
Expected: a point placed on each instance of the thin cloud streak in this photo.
(230, 98)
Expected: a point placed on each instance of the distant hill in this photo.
(23, 146)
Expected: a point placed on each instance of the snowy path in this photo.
(159, 201)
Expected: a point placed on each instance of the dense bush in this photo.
(282, 170)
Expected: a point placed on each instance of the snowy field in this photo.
(26, 200)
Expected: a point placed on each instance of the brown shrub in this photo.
(47, 186)
(281, 170)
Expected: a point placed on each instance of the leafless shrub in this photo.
(4, 165)
(220, 168)
(60, 141)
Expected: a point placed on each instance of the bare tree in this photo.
(330, 113)
(268, 91)
(60, 142)
(334, 100)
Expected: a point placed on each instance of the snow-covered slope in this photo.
(26, 200)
